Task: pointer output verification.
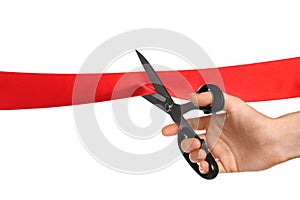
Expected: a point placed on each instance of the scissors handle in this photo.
(218, 98)
(213, 166)
(187, 132)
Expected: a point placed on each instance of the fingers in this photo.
(203, 167)
(197, 155)
(190, 144)
(170, 130)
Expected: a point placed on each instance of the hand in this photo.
(241, 139)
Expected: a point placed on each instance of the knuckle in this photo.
(195, 144)
(201, 155)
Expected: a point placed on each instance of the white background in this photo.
(41, 156)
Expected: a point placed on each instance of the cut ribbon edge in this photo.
(251, 82)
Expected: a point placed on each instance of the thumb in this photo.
(206, 98)
(201, 99)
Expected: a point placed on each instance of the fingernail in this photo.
(193, 98)
(202, 170)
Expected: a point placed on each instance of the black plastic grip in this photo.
(213, 166)
(218, 98)
(186, 132)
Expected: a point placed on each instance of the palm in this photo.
(242, 144)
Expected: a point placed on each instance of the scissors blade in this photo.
(156, 100)
(156, 82)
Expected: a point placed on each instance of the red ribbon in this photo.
(251, 82)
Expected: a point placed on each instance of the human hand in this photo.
(241, 139)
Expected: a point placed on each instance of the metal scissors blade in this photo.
(156, 82)
(156, 100)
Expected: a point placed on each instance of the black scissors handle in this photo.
(186, 132)
(213, 166)
(218, 98)
(163, 100)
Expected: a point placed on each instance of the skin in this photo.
(241, 139)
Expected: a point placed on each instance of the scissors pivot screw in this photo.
(169, 106)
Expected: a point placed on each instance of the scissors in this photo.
(163, 100)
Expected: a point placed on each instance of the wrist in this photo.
(287, 134)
